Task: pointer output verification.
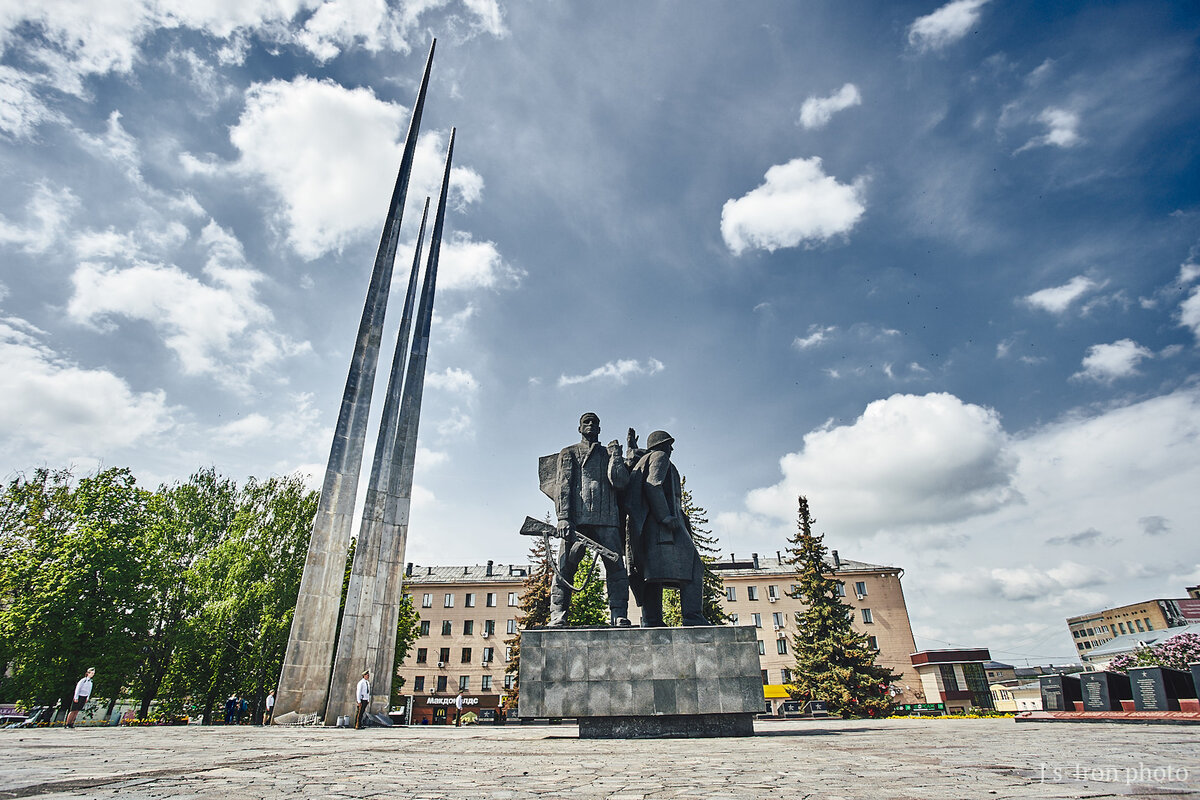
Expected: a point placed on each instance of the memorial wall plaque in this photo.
(1104, 691)
(1060, 692)
(1195, 678)
(1159, 688)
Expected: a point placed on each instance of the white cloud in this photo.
(217, 327)
(21, 111)
(907, 460)
(467, 264)
(816, 335)
(620, 371)
(319, 146)
(1062, 129)
(1188, 272)
(456, 425)
(796, 204)
(1026, 582)
(1107, 362)
(451, 327)
(48, 212)
(54, 409)
(1057, 299)
(247, 429)
(1189, 312)
(946, 25)
(453, 380)
(817, 111)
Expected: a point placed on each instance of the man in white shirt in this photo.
(458, 703)
(364, 700)
(270, 707)
(83, 690)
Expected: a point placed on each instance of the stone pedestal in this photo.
(643, 682)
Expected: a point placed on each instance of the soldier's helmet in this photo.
(659, 438)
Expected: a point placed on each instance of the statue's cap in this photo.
(658, 438)
(591, 414)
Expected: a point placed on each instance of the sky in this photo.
(935, 267)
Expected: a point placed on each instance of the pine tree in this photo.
(714, 585)
(834, 663)
(589, 601)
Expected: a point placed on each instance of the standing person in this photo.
(589, 477)
(458, 710)
(270, 708)
(231, 709)
(364, 700)
(83, 690)
(660, 538)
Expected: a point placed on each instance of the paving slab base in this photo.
(667, 726)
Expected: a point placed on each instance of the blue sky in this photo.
(935, 267)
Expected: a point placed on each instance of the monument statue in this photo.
(587, 481)
(659, 536)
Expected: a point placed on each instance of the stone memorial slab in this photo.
(643, 682)
(1104, 691)
(1159, 688)
(1060, 692)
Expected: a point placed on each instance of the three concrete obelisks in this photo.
(367, 640)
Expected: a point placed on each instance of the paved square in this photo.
(918, 759)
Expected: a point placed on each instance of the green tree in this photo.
(534, 612)
(188, 520)
(589, 601)
(407, 630)
(834, 663)
(71, 578)
(714, 585)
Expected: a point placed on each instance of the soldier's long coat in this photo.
(587, 484)
(657, 554)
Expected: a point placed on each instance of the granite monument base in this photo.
(643, 682)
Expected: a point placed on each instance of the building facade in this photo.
(468, 612)
(1090, 631)
(956, 678)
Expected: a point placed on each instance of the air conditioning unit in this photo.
(772, 599)
(777, 627)
(486, 634)
(859, 596)
(485, 664)
(441, 665)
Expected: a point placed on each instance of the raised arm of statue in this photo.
(618, 472)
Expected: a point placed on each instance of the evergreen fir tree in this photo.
(589, 602)
(834, 663)
(714, 585)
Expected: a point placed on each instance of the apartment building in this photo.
(467, 613)
(1090, 631)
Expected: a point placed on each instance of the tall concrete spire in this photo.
(391, 551)
(304, 681)
(362, 615)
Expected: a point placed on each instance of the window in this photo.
(731, 593)
(751, 592)
(867, 618)
(762, 648)
(466, 655)
(508, 654)
(427, 601)
(468, 627)
(441, 683)
(512, 626)
(508, 682)
(839, 589)
(773, 592)
(1139, 624)
(1122, 625)
(512, 599)
(491, 599)
(444, 654)
(447, 627)
(488, 654)
(489, 627)
(757, 620)
(422, 655)
(781, 645)
(419, 683)
(786, 675)
(1091, 632)
(1075, 634)
(733, 619)
(777, 618)
(1149, 627)
(860, 588)
(764, 675)
(464, 682)
(448, 602)
(485, 683)
(949, 679)
(872, 643)
(424, 627)
(469, 602)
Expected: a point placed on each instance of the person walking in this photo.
(231, 709)
(364, 700)
(270, 708)
(458, 704)
(83, 690)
